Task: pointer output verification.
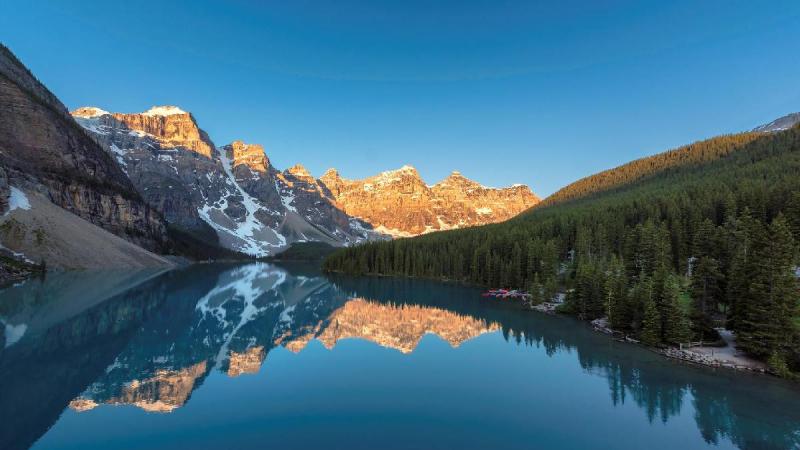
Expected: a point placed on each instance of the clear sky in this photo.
(540, 93)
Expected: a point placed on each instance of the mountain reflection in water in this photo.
(79, 342)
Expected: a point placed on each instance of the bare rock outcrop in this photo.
(398, 202)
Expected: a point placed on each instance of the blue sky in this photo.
(506, 92)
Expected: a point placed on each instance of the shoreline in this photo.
(733, 361)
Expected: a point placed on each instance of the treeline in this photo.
(708, 238)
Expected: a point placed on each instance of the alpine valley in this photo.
(91, 189)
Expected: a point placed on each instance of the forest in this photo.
(667, 248)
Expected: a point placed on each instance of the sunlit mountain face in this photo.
(75, 349)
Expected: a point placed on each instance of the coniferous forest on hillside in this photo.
(667, 247)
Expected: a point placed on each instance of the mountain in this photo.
(256, 209)
(47, 159)
(780, 124)
(399, 203)
(231, 194)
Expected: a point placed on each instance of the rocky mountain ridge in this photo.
(254, 208)
(399, 203)
(232, 192)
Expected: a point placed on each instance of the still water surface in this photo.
(257, 356)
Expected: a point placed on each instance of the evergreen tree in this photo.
(677, 327)
(651, 323)
(766, 325)
(705, 290)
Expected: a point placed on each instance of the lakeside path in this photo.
(728, 356)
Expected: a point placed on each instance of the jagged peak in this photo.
(89, 112)
(242, 145)
(251, 155)
(331, 173)
(299, 170)
(459, 179)
(166, 110)
(405, 170)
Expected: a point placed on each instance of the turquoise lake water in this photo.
(264, 356)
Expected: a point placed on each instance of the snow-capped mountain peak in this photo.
(89, 112)
(780, 124)
(166, 110)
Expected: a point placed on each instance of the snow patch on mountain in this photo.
(120, 156)
(250, 231)
(17, 200)
(92, 124)
(287, 197)
(780, 124)
(163, 111)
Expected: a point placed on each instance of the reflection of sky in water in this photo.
(241, 356)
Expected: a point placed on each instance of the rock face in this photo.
(231, 193)
(399, 203)
(172, 126)
(256, 209)
(43, 150)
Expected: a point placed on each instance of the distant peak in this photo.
(89, 112)
(331, 173)
(457, 179)
(242, 145)
(164, 111)
(298, 170)
(780, 124)
(406, 169)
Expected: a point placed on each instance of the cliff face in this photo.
(399, 203)
(232, 192)
(43, 150)
(172, 126)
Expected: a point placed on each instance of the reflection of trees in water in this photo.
(753, 411)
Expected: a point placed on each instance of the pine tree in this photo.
(537, 291)
(766, 324)
(615, 296)
(651, 323)
(677, 328)
(705, 290)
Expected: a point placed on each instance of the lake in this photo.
(258, 355)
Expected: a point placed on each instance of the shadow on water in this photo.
(80, 340)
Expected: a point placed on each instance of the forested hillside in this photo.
(666, 247)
